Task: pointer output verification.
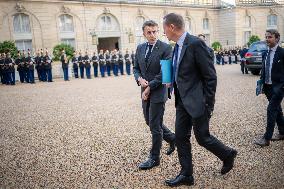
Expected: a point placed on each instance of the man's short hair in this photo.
(201, 35)
(150, 23)
(274, 32)
(175, 19)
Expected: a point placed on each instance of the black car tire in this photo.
(255, 72)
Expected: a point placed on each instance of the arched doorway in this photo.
(108, 32)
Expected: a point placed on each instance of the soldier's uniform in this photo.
(95, 60)
(81, 65)
(108, 63)
(65, 65)
(114, 60)
(41, 67)
(37, 61)
(30, 66)
(132, 58)
(127, 63)
(87, 66)
(102, 63)
(2, 59)
(48, 67)
(10, 70)
(20, 67)
(120, 63)
(75, 65)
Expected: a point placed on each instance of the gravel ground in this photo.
(91, 134)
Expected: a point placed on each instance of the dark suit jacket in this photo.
(196, 77)
(152, 71)
(277, 71)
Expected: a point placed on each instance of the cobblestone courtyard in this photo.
(91, 134)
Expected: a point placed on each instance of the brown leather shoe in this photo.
(262, 142)
(277, 137)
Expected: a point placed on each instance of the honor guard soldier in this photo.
(120, 62)
(127, 62)
(81, 64)
(31, 68)
(65, 64)
(19, 63)
(37, 61)
(114, 59)
(87, 65)
(95, 60)
(108, 62)
(47, 66)
(9, 62)
(75, 64)
(2, 74)
(132, 57)
(41, 67)
(102, 63)
(26, 66)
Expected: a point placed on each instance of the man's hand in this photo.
(168, 85)
(143, 82)
(146, 93)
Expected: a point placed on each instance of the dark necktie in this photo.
(148, 53)
(174, 66)
(175, 61)
(267, 67)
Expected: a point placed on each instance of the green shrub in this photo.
(252, 39)
(216, 45)
(58, 49)
(9, 46)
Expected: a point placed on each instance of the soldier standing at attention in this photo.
(81, 64)
(108, 62)
(19, 63)
(102, 63)
(127, 62)
(95, 60)
(65, 65)
(87, 65)
(37, 61)
(31, 68)
(114, 61)
(120, 62)
(47, 66)
(75, 64)
(9, 62)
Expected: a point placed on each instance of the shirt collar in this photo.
(274, 48)
(181, 39)
(152, 44)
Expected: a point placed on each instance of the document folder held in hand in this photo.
(166, 67)
(259, 87)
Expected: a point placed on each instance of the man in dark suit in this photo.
(211, 51)
(194, 84)
(65, 64)
(147, 73)
(272, 76)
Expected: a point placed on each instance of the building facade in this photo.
(95, 24)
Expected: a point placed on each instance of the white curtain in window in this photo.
(70, 42)
(24, 45)
(205, 23)
(21, 23)
(66, 23)
(272, 20)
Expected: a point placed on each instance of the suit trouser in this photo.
(31, 76)
(128, 69)
(65, 74)
(88, 73)
(200, 125)
(274, 111)
(22, 76)
(96, 71)
(48, 74)
(153, 114)
(75, 72)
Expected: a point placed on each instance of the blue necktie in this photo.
(267, 67)
(174, 66)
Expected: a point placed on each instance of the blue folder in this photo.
(166, 67)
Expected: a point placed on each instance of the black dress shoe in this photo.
(171, 148)
(180, 180)
(228, 163)
(262, 142)
(277, 137)
(148, 164)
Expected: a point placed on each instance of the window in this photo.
(70, 42)
(105, 23)
(188, 25)
(248, 21)
(272, 20)
(66, 23)
(21, 23)
(247, 35)
(205, 24)
(24, 44)
(138, 28)
(207, 38)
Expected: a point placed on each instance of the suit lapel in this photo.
(154, 52)
(184, 47)
(143, 53)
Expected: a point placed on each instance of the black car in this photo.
(254, 57)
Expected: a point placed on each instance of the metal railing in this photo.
(260, 2)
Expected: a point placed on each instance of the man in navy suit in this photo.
(147, 73)
(194, 84)
(272, 75)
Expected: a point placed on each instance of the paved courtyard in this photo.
(91, 134)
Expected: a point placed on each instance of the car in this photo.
(254, 57)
